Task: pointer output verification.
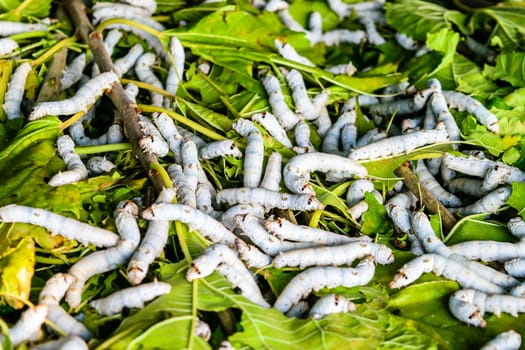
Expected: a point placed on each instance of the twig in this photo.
(434, 206)
(126, 110)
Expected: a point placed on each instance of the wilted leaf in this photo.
(16, 271)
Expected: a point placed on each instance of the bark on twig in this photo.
(434, 206)
(126, 110)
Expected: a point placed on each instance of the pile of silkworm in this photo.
(254, 226)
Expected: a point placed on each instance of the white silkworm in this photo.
(85, 96)
(59, 225)
(73, 72)
(176, 72)
(202, 329)
(302, 138)
(403, 106)
(66, 323)
(315, 26)
(219, 256)
(29, 323)
(463, 102)
(489, 250)
(491, 203)
(438, 105)
(338, 36)
(7, 45)
(272, 174)
(515, 267)
(332, 137)
(434, 187)
(55, 289)
(340, 8)
(356, 191)
(148, 5)
(253, 154)
(445, 267)
(171, 134)
(330, 304)
(284, 229)
(296, 173)
(152, 141)
(268, 199)
(361, 100)
(114, 134)
(130, 297)
(398, 207)
(342, 69)
(510, 340)
(280, 109)
(372, 35)
(204, 197)
(303, 104)
(152, 244)
(101, 12)
(150, 39)
(288, 51)
(361, 207)
(410, 125)
(298, 310)
(194, 218)
(281, 8)
(400, 144)
(469, 305)
(344, 254)
(221, 149)
(494, 177)
(70, 342)
(8, 28)
(479, 49)
(371, 136)
(516, 226)
(124, 64)
(269, 244)
(251, 255)
(227, 216)
(468, 186)
(146, 75)
(15, 91)
(323, 122)
(99, 165)
(110, 41)
(406, 42)
(270, 123)
(518, 290)
(329, 277)
(190, 163)
(434, 167)
(348, 137)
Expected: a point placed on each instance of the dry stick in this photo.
(127, 113)
(434, 206)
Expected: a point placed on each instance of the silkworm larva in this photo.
(194, 218)
(406, 42)
(397, 209)
(494, 177)
(337, 36)
(298, 310)
(175, 72)
(344, 254)
(125, 63)
(55, 289)
(270, 123)
(296, 173)
(7, 45)
(288, 51)
(332, 136)
(205, 196)
(303, 104)
(491, 203)
(99, 165)
(115, 134)
(281, 8)
(171, 134)
(202, 329)
(510, 340)
(466, 185)
(148, 5)
(316, 278)
(268, 199)
(152, 140)
(518, 290)
(150, 39)
(515, 267)
(146, 75)
(403, 106)
(479, 49)
(253, 154)
(8, 28)
(361, 100)
(356, 191)
(438, 105)
(15, 91)
(469, 166)
(280, 109)
(340, 8)
(272, 174)
(434, 187)
(190, 163)
(240, 209)
(371, 136)
(116, 10)
(284, 229)
(29, 323)
(59, 225)
(489, 250)
(372, 35)
(463, 102)
(342, 69)
(361, 207)
(130, 297)
(445, 267)
(315, 26)
(73, 72)
(348, 137)
(110, 41)
(516, 226)
(66, 323)
(152, 244)
(251, 255)
(70, 342)
(302, 138)
(330, 304)
(323, 122)
(85, 96)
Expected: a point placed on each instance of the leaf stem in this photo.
(53, 50)
(112, 147)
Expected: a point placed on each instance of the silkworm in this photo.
(15, 91)
(29, 323)
(466, 185)
(330, 304)
(85, 96)
(268, 199)
(240, 209)
(400, 144)
(116, 10)
(114, 134)
(397, 208)
(372, 35)
(272, 174)
(356, 191)
(403, 106)
(8, 28)
(371, 136)
(518, 290)
(59, 225)
(510, 340)
(152, 244)
(281, 8)
(270, 245)
(190, 163)
(7, 45)
(361, 100)
(251, 255)
(171, 134)
(151, 141)
(176, 71)
(487, 250)
(125, 63)
(438, 105)
(66, 323)
(286, 230)
(296, 173)
(516, 226)
(99, 165)
(479, 49)
(442, 266)
(194, 218)
(515, 267)
(270, 123)
(280, 109)
(348, 137)
(332, 136)
(470, 166)
(55, 288)
(342, 69)
(152, 41)
(220, 257)
(339, 7)
(406, 42)
(298, 310)
(494, 177)
(302, 138)
(70, 342)
(361, 207)
(205, 196)
(148, 5)
(303, 104)
(491, 203)
(344, 254)
(218, 149)
(315, 26)
(323, 122)
(288, 51)
(338, 36)
(110, 41)
(434, 187)
(73, 72)
(130, 297)
(146, 75)
(253, 154)
(316, 278)
(463, 102)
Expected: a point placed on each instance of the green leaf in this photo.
(444, 41)
(510, 67)
(517, 197)
(15, 10)
(375, 219)
(507, 20)
(476, 227)
(214, 119)
(469, 78)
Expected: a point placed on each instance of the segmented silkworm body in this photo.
(284, 229)
(489, 250)
(29, 323)
(438, 105)
(190, 163)
(15, 91)
(152, 141)
(330, 304)
(73, 72)
(150, 39)
(332, 137)
(338, 36)
(303, 104)
(296, 173)
(251, 255)
(66, 323)
(324, 122)
(10, 28)
(110, 41)
(491, 203)
(466, 185)
(361, 100)
(101, 12)
(70, 342)
(434, 187)
(289, 52)
(406, 42)
(152, 244)
(316, 278)
(253, 154)
(194, 218)
(130, 297)
(220, 149)
(125, 63)
(463, 102)
(342, 69)
(268, 199)
(59, 225)
(398, 210)
(99, 165)
(146, 75)
(494, 177)
(55, 289)
(372, 34)
(400, 144)
(302, 138)
(272, 174)
(403, 106)
(85, 96)
(361, 207)
(220, 257)
(148, 5)
(344, 254)
(356, 191)
(516, 226)
(298, 310)
(204, 197)
(114, 134)
(442, 266)
(270, 123)
(280, 109)
(7, 45)
(348, 137)
(515, 267)
(171, 134)
(176, 71)
(510, 340)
